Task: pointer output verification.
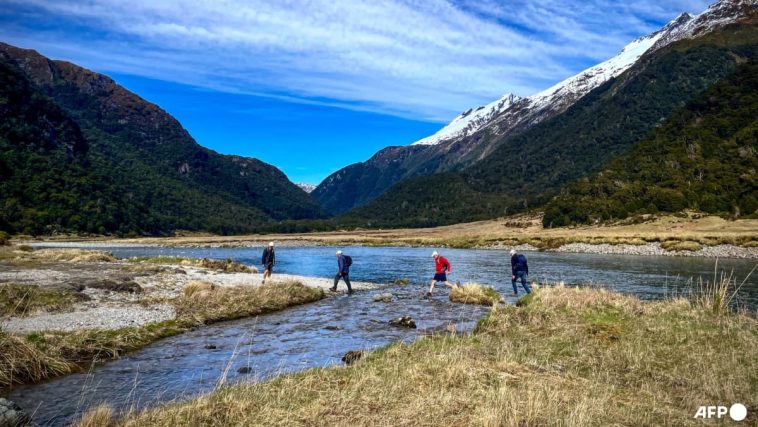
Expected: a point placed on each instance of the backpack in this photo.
(348, 261)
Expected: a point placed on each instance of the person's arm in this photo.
(526, 265)
(263, 258)
(273, 257)
(340, 264)
(448, 266)
(513, 267)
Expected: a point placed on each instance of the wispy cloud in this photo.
(424, 60)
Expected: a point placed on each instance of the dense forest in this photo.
(705, 157)
(80, 154)
(527, 170)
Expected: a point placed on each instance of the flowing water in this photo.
(319, 334)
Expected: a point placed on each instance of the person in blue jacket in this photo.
(268, 259)
(519, 271)
(343, 272)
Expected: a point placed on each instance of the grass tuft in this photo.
(474, 293)
(24, 300)
(196, 287)
(99, 416)
(676, 245)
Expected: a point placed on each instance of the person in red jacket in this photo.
(441, 269)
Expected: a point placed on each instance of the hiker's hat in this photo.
(339, 252)
(271, 243)
(434, 253)
(513, 252)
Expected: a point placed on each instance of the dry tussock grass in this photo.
(200, 288)
(569, 357)
(69, 255)
(99, 416)
(474, 293)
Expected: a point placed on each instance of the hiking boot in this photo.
(349, 292)
(428, 294)
(332, 290)
(515, 294)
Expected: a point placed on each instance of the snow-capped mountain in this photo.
(470, 120)
(511, 111)
(475, 134)
(306, 187)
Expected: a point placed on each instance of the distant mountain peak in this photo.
(308, 188)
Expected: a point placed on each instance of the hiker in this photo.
(268, 260)
(441, 269)
(519, 271)
(343, 271)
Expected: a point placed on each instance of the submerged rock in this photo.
(385, 297)
(405, 322)
(352, 356)
(332, 328)
(210, 346)
(245, 370)
(11, 415)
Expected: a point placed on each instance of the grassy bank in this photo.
(34, 357)
(568, 357)
(679, 232)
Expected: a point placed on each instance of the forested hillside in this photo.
(705, 157)
(80, 153)
(529, 169)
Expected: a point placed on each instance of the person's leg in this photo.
(513, 283)
(449, 285)
(525, 283)
(346, 277)
(431, 288)
(336, 280)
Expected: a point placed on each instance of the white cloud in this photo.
(428, 59)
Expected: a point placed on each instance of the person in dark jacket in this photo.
(268, 260)
(343, 272)
(519, 271)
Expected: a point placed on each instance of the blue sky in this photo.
(313, 85)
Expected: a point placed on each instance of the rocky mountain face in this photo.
(476, 133)
(308, 188)
(154, 177)
(528, 168)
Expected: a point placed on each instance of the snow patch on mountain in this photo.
(511, 110)
(470, 121)
(308, 188)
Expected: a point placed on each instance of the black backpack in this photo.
(348, 261)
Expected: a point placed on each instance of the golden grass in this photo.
(226, 266)
(99, 416)
(676, 245)
(584, 357)
(69, 255)
(511, 231)
(37, 356)
(24, 300)
(474, 293)
(197, 286)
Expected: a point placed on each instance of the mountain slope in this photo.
(476, 133)
(705, 157)
(528, 169)
(163, 176)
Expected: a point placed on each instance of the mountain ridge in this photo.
(474, 135)
(175, 182)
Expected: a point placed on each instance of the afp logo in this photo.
(737, 412)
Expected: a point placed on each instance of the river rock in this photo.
(210, 346)
(385, 297)
(244, 370)
(332, 328)
(351, 357)
(404, 322)
(11, 415)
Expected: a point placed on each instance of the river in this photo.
(319, 334)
